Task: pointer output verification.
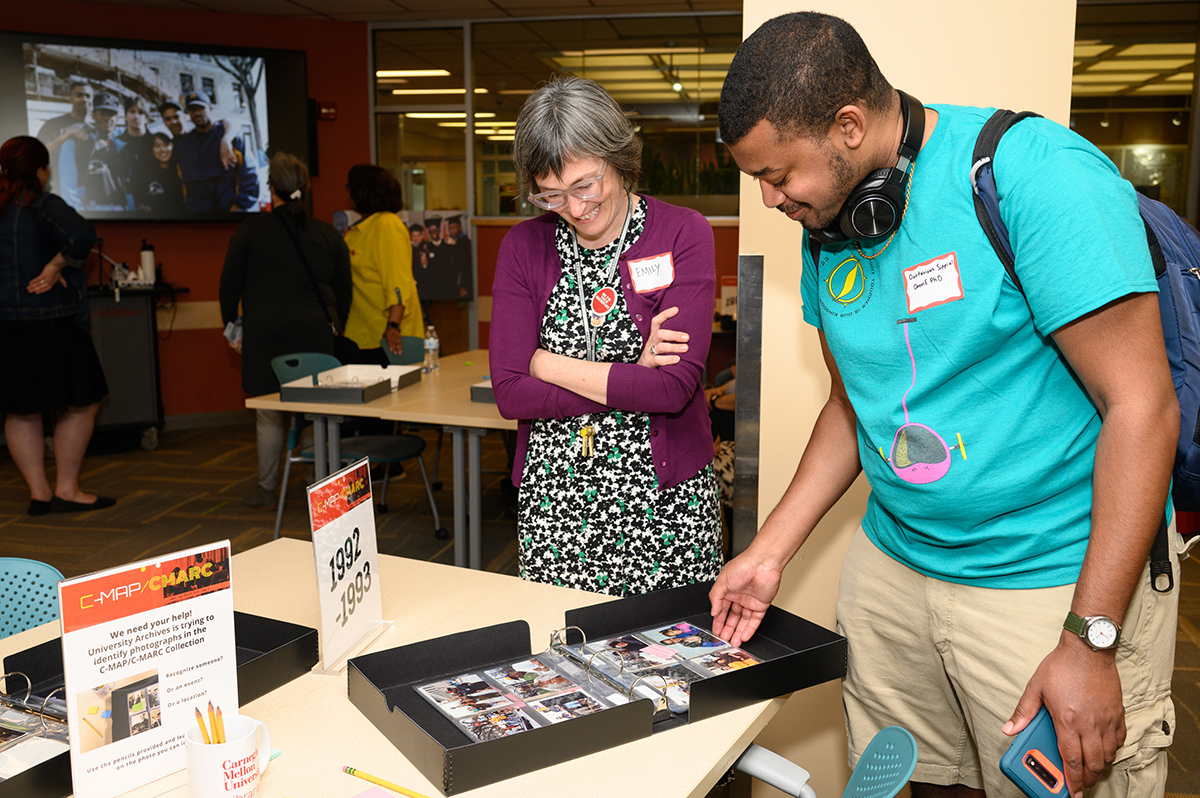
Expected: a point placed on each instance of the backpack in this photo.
(1175, 252)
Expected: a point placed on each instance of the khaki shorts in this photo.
(949, 662)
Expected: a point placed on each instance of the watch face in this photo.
(1102, 633)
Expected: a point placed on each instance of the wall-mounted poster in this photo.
(441, 252)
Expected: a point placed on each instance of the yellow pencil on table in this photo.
(387, 785)
(93, 728)
(219, 729)
(203, 731)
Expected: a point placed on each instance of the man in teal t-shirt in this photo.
(1018, 445)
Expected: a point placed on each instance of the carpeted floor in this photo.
(188, 492)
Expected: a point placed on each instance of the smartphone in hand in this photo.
(1033, 763)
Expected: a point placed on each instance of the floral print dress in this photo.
(599, 522)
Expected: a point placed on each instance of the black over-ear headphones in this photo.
(876, 205)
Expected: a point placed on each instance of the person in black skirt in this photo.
(48, 359)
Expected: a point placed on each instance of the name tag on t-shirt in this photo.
(934, 282)
(652, 274)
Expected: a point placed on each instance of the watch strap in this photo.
(393, 325)
(1075, 623)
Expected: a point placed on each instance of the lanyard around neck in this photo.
(610, 266)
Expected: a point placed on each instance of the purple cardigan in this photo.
(527, 269)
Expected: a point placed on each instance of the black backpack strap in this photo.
(1162, 578)
(983, 185)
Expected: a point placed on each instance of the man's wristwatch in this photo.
(393, 325)
(1098, 631)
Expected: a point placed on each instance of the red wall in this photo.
(199, 372)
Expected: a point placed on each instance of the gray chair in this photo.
(378, 449)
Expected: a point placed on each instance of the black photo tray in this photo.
(270, 654)
(795, 654)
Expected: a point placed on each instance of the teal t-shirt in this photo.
(976, 438)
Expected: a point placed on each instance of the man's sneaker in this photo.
(261, 497)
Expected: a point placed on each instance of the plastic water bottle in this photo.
(432, 348)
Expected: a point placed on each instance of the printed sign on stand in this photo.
(347, 558)
(145, 646)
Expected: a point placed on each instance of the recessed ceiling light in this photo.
(412, 73)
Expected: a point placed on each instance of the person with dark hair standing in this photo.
(1018, 442)
(291, 273)
(420, 265)
(385, 294)
(138, 151)
(458, 247)
(48, 359)
(614, 451)
(91, 172)
(58, 129)
(155, 184)
(214, 182)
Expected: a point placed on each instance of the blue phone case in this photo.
(1033, 763)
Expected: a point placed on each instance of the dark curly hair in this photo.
(374, 189)
(20, 159)
(796, 71)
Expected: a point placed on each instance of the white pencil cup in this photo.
(231, 769)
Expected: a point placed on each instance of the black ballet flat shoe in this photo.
(38, 507)
(63, 506)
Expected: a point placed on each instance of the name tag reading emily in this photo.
(653, 273)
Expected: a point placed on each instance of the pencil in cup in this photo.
(212, 724)
(217, 722)
(387, 785)
(203, 730)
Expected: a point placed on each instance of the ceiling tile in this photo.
(277, 8)
(448, 8)
(183, 5)
(338, 8)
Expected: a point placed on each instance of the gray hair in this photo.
(289, 175)
(570, 118)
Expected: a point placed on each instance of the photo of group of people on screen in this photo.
(133, 147)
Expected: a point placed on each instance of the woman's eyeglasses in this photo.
(587, 189)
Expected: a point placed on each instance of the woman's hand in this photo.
(395, 340)
(51, 274)
(236, 346)
(663, 345)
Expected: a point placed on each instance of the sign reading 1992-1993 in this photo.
(347, 559)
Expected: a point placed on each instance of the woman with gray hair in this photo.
(291, 273)
(614, 450)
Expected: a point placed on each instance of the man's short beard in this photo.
(844, 182)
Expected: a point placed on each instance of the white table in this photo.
(318, 730)
(441, 398)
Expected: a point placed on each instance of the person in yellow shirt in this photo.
(385, 301)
